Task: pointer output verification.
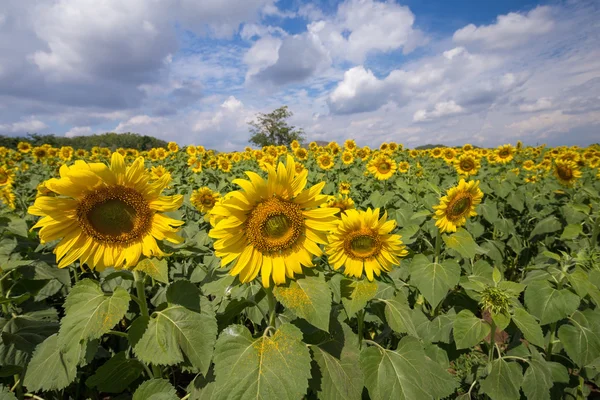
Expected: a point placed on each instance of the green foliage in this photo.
(111, 140)
(273, 129)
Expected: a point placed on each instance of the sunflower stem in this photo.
(492, 340)
(361, 325)
(551, 342)
(438, 245)
(140, 289)
(272, 307)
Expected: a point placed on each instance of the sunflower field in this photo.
(317, 272)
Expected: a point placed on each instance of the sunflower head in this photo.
(325, 161)
(301, 154)
(467, 164)
(341, 202)
(505, 153)
(24, 147)
(173, 147)
(458, 204)
(272, 226)
(495, 300)
(350, 144)
(567, 172)
(7, 176)
(382, 167)
(204, 199)
(106, 216)
(362, 242)
(344, 187)
(347, 157)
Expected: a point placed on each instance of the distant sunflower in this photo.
(350, 144)
(436, 152)
(347, 158)
(382, 167)
(7, 176)
(295, 145)
(363, 153)
(341, 202)
(224, 165)
(467, 164)
(414, 153)
(301, 154)
(528, 165)
(566, 172)
(458, 204)
(24, 147)
(325, 161)
(158, 172)
(272, 226)
(195, 164)
(504, 154)
(393, 147)
(39, 153)
(384, 147)
(344, 187)
(191, 151)
(362, 242)
(7, 196)
(449, 154)
(204, 199)
(106, 216)
(173, 147)
(403, 167)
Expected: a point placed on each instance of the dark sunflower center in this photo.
(565, 173)
(459, 207)
(117, 215)
(384, 167)
(3, 177)
(467, 165)
(275, 225)
(362, 244)
(208, 200)
(503, 153)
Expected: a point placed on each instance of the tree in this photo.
(273, 129)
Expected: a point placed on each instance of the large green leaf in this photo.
(547, 225)
(398, 315)
(581, 338)
(529, 326)
(51, 368)
(433, 280)
(549, 304)
(504, 380)
(155, 389)
(20, 336)
(463, 243)
(356, 294)
(157, 269)
(436, 330)
(469, 330)
(309, 298)
(538, 378)
(177, 331)
(406, 373)
(115, 375)
(338, 363)
(276, 367)
(90, 313)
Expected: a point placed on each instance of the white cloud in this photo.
(510, 30)
(540, 104)
(29, 125)
(79, 131)
(441, 109)
(554, 122)
(359, 91)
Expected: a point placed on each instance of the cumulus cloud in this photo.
(441, 109)
(359, 91)
(540, 104)
(79, 131)
(510, 30)
(29, 125)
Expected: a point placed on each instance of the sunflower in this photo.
(7, 197)
(504, 154)
(467, 147)
(384, 147)
(382, 167)
(449, 154)
(414, 153)
(7, 176)
(157, 172)
(195, 164)
(350, 144)
(363, 153)
(325, 161)
(161, 153)
(81, 153)
(301, 154)
(566, 172)
(295, 145)
(39, 153)
(528, 165)
(467, 164)
(458, 204)
(106, 216)
(345, 187)
(341, 202)
(363, 242)
(403, 167)
(173, 147)
(204, 199)
(313, 146)
(532, 179)
(66, 153)
(191, 151)
(224, 165)
(24, 147)
(272, 226)
(393, 146)
(436, 152)
(347, 158)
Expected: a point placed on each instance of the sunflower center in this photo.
(3, 177)
(458, 207)
(115, 214)
(275, 225)
(208, 201)
(383, 167)
(503, 153)
(362, 244)
(467, 165)
(565, 173)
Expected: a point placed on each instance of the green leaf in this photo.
(437, 330)
(463, 243)
(309, 298)
(115, 375)
(157, 269)
(50, 367)
(184, 293)
(338, 362)
(489, 211)
(156, 389)
(571, 231)
(538, 378)
(398, 315)
(177, 331)
(90, 313)
(547, 225)
(433, 280)
(5, 394)
(504, 381)
(469, 330)
(276, 367)
(20, 337)
(529, 326)
(406, 373)
(581, 339)
(356, 294)
(549, 304)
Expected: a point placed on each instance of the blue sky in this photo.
(413, 71)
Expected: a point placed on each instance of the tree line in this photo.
(111, 140)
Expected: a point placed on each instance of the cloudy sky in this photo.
(410, 71)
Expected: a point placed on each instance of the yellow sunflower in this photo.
(224, 165)
(363, 153)
(7, 197)
(449, 154)
(458, 204)
(7, 176)
(39, 153)
(24, 147)
(504, 154)
(350, 144)
(191, 151)
(325, 161)
(403, 167)
(157, 172)
(566, 172)
(295, 145)
(272, 226)
(344, 187)
(436, 152)
(341, 202)
(382, 167)
(347, 158)
(467, 164)
(173, 147)
(528, 165)
(106, 216)
(301, 154)
(204, 199)
(195, 164)
(363, 242)
(393, 146)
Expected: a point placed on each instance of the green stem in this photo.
(595, 233)
(272, 306)
(361, 325)
(140, 289)
(438, 245)
(551, 342)
(18, 388)
(117, 333)
(492, 340)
